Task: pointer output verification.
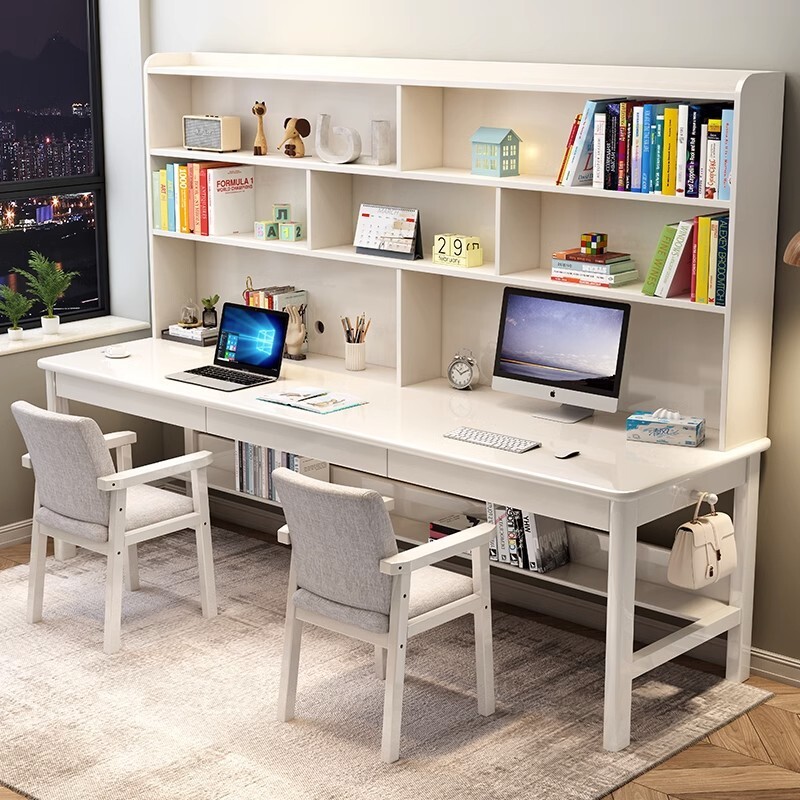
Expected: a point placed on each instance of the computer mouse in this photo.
(567, 453)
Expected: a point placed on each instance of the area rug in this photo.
(186, 711)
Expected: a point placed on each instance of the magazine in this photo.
(311, 398)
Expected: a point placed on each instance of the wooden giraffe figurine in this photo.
(260, 143)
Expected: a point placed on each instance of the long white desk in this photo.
(614, 485)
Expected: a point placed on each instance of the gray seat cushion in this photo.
(430, 588)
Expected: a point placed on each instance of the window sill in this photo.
(70, 332)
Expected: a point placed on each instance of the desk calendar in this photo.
(388, 231)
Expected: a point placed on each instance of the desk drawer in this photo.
(480, 484)
(335, 449)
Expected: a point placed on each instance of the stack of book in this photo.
(199, 335)
(280, 298)
(253, 466)
(208, 198)
(593, 269)
(672, 148)
(691, 258)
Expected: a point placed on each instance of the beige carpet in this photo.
(186, 710)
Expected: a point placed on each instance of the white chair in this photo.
(347, 576)
(82, 499)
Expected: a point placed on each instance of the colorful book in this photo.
(190, 169)
(575, 254)
(721, 266)
(669, 158)
(155, 198)
(177, 191)
(712, 158)
(657, 164)
(659, 258)
(701, 264)
(629, 145)
(578, 171)
(594, 269)
(726, 155)
(231, 199)
(183, 195)
(692, 185)
(163, 204)
(612, 134)
(713, 244)
(171, 197)
(491, 518)
(676, 275)
(599, 150)
(648, 131)
(637, 141)
(622, 144)
(568, 148)
(680, 153)
(703, 150)
(590, 279)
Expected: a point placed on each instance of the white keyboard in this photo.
(499, 441)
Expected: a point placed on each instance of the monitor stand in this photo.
(565, 413)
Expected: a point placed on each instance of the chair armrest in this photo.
(113, 441)
(425, 554)
(152, 472)
(284, 537)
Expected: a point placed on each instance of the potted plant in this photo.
(47, 282)
(14, 306)
(210, 311)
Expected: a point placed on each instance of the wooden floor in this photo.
(756, 757)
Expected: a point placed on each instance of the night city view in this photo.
(46, 135)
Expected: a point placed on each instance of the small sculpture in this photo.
(295, 334)
(260, 143)
(345, 147)
(297, 129)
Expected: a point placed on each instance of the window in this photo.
(52, 197)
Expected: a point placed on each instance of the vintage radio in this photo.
(209, 132)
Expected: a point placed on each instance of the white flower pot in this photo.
(49, 325)
(15, 334)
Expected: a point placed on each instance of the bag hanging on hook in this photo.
(704, 550)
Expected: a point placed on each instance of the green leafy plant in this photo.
(209, 302)
(14, 305)
(46, 282)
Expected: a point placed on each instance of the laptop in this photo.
(249, 350)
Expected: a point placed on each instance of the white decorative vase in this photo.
(49, 325)
(15, 334)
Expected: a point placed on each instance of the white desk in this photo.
(614, 485)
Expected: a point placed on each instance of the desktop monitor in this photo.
(561, 348)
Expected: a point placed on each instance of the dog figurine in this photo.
(260, 143)
(296, 129)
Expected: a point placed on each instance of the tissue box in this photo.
(645, 426)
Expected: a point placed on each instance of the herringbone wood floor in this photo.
(756, 757)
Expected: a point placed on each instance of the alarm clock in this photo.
(463, 372)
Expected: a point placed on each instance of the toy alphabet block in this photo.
(281, 212)
(290, 231)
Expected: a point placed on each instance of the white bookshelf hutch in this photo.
(704, 360)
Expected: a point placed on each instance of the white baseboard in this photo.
(15, 533)
(775, 666)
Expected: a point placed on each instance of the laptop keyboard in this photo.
(230, 375)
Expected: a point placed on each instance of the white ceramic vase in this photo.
(15, 334)
(50, 325)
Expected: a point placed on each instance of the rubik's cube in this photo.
(594, 243)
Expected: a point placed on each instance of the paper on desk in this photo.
(310, 398)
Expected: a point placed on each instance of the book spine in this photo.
(693, 288)
(721, 266)
(680, 153)
(196, 198)
(183, 192)
(204, 201)
(612, 135)
(514, 536)
(659, 258)
(599, 150)
(669, 158)
(177, 189)
(155, 198)
(593, 278)
(654, 157)
(568, 149)
(622, 145)
(171, 197)
(581, 145)
(593, 269)
(530, 542)
(638, 142)
(712, 158)
(713, 244)
(629, 147)
(676, 251)
(701, 274)
(647, 140)
(693, 152)
(491, 518)
(726, 155)
(701, 187)
(602, 258)
(658, 167)
(164, 205)
(503, 553)
(190, 169)
(237, 472)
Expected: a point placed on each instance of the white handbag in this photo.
(704, 550)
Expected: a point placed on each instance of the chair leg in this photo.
(205, 556)
(396, 668)
(113, 619)
(287, 692)
(36, 574)
(484, 658)
(380, 662)
(131, 568)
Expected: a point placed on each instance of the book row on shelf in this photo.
(207, 198)
(671, 148)
(523, 539)
(691, 257)
(253, 466)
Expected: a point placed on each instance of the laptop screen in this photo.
(251, 338)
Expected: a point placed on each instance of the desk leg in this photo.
(619, 626)
(191, 444)
(63, 550)
(745, 510)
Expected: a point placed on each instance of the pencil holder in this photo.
(355, 356)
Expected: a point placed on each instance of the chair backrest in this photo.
(339, 535)
(68, 455)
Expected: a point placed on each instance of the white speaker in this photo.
(209, 132)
